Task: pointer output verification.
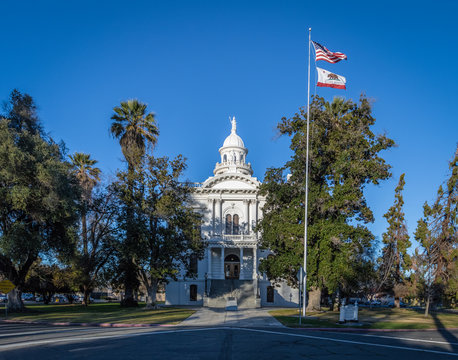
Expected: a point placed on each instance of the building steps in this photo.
(240, 291)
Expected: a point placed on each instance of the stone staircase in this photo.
(243, 291)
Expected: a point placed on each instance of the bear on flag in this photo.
(329, 79)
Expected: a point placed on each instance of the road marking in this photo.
(396, 338)
(103, 337)
(350, 341)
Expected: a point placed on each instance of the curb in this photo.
(104, 325)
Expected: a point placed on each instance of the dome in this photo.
(233, 140)
(233, 155)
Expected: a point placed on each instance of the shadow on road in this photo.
(446, 334)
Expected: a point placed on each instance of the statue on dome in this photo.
(234, 125)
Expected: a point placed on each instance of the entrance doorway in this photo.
(231, 267)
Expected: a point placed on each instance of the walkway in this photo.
(240, 318)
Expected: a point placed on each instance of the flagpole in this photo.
(304, 302)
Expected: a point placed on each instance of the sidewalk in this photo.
(240, 318)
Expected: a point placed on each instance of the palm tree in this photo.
(137, 133)
(136, 130)
(88, 176)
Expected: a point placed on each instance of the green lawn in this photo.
(101, 313)
(375, 318)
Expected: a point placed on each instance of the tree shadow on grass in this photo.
(441, 329)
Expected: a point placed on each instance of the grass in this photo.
(101, 313)
(376, 318)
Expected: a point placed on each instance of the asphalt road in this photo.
(48, 342)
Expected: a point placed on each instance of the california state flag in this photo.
(328, 79)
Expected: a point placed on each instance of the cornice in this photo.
(230, 176)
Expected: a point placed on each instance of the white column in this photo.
(257, 214)
(222, 261)
(221, 216)
(216, 215)
(213, 217)
(247, 202)
(209, 262)
(241, 263)
(252, 212)
(255, 263)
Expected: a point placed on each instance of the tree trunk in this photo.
(397, 302)
(15, 303)
(427, 305)
(336, 301)
(130, 273)
(84, 232)
(86, 293)
(152, 291)
(130, 278)
(314, 302)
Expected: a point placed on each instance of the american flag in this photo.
(322, 53)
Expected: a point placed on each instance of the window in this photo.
(193, 293)
(235, 226)
(232, 224)
(225, 158)
(270, 294)
(193, 264)
(228, 224)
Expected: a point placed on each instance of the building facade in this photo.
(231, 207)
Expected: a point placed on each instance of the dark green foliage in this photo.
(98, 241)
(137, 132)
(344, 158)
(395, 262)
(48, 280)
(38, 194)
(97, 235)
(168, 228)
(437, 233)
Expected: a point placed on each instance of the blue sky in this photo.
(195, 63)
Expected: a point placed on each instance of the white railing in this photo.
(236, 163)
(235, 237)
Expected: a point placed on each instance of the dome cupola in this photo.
(233, 154)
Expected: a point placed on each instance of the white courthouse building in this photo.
(231, 206)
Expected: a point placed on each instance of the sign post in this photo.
(5, 287)
(300, 278)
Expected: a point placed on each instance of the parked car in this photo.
(77, 298)
(58, 298)
(28, 297)
(3, 298)
(375, 303)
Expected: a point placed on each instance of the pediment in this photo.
(231, 181)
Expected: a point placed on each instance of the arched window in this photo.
(235, 226)
(225, 158)
(228, 224)
(232, 224)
